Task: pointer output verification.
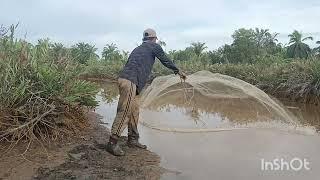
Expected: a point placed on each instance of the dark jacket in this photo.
(140, 62)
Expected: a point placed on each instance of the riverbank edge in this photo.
(81, 156)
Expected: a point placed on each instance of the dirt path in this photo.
(80, 158)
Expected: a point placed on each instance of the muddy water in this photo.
(235, 154)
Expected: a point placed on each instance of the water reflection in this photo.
(308, 114)
(203, 111)
(109, 92)
(191, 109)
(223, 155)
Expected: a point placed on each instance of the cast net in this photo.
(210, 102)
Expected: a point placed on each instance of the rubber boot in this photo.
(133, 142)
(114, 148)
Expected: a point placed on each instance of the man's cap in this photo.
(149, 33)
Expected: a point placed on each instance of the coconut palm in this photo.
(297, 48)
(259, 36)
(265, 41)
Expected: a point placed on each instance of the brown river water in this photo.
(242, 153)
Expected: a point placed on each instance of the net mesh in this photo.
(226, 98)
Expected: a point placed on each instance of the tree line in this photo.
(248, 46)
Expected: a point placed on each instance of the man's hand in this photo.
(182, 75)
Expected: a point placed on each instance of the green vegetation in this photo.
(297, 48)
(41, 96)
(255, 56)
(42, 91)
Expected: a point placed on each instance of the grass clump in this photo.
(41, 96)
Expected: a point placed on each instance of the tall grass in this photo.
(40, 94)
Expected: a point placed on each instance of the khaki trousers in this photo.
(127, 110)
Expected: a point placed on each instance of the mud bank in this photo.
(81, 157)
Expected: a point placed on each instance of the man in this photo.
(131, 81)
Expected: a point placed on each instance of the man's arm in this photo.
(164, 59)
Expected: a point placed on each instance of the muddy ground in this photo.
(81, 157)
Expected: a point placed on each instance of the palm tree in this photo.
(298, 49)
(263, 39)
(108, 50)
(83, 52)
(260, 35)
(111, 53)
(198, 48)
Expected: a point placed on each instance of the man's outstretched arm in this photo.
(164, 59)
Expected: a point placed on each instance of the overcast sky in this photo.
(177, 22)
